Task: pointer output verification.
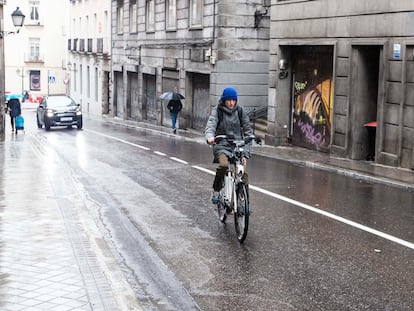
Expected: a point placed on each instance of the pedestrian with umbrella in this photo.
(174, 106)
(14, 108)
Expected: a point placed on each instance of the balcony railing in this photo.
(99, 45)
(90, 46)
(33, 58)
(93, 45)
(81, 45)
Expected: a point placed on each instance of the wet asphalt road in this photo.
(154, 208)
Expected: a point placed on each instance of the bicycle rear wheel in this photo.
(241, 218)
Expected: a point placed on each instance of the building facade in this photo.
(36, 57)
(193, 47)
(341, 78)
(89, 57)
(2, 75)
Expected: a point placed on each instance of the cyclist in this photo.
(227, 118)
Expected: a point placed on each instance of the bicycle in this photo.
(233, 198)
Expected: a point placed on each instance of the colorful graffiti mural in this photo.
(312, 114)
(312, 101)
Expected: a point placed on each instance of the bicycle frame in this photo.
(233, 177)
(234, 198)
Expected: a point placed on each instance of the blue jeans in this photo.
(173, 116)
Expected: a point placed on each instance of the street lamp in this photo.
(18, 20)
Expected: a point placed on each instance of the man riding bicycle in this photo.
(227, 118)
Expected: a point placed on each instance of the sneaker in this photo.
(175, 131)
(215, 198)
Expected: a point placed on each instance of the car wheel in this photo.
(79, 124)
(47, 126)
(39, 125)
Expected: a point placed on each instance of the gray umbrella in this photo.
(171, 95)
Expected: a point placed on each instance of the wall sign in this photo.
(397, 51)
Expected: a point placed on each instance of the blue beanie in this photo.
(229, 93)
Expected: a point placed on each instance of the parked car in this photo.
(58, 110)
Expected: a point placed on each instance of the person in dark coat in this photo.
(13, 106)
(174, 106)
(235, 122)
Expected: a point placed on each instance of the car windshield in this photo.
(60, 101)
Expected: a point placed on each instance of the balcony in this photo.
(102, 46)
(75, 45)
(90, 46)
(34, 59)
(99, 45)
(93, 46)
(82, 45)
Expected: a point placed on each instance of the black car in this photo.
(59, 110)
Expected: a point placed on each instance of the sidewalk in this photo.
(50, 258)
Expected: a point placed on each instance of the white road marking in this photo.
(285, 199)
(204, 170)
(178, 160)
(119, 139)
(324, 213)
(160, 153)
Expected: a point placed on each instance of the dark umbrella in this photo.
(172, 95)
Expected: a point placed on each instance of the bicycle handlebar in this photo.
(231, 139)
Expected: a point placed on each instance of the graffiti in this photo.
(300, 86)
(312, 113)
(308, 131)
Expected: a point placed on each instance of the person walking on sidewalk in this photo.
(227, 118)
(14, 109)
(174, 106)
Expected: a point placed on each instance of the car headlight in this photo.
(49, 113)
(78, 112)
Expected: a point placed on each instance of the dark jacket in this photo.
(174, 105)
(14, 107)
(231, 125)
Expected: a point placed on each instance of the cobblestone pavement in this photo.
(48, 256)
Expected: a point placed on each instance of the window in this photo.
(34, 49)
(74, 77)
(96, 84)
(171, 14)
(88, 81)
(34, 11)
(133, 17)
(150, 15)
(120, 20)
(196, 13)
(81, 79)
(86, 30)
(35, 80)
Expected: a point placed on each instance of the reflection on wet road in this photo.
(317, 241)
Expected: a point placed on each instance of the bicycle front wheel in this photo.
(221, 210)
(241, 217)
